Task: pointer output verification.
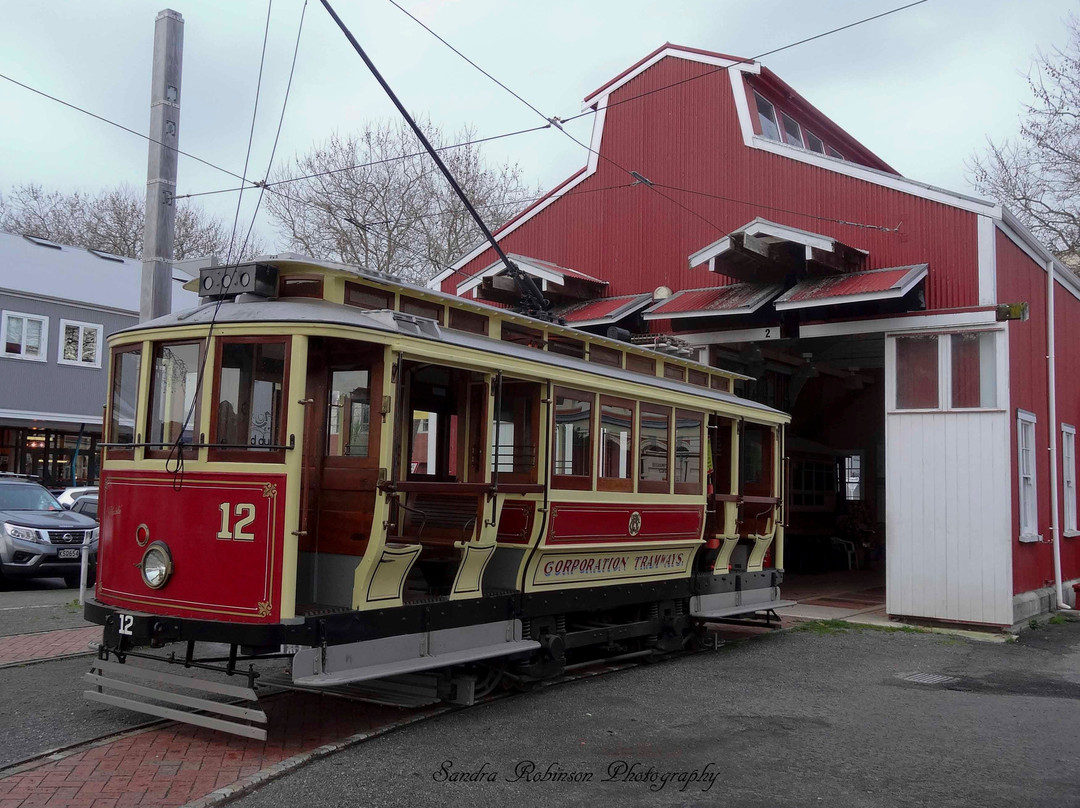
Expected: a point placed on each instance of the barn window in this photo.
(974, 371)
(917, 373)
(1025, 446)
(1068, 465)
(792, 131)
(767, 118)
(829, 150)
(814, 143)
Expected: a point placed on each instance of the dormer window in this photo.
(792, 131)
(767, 118)
(813, 143)
(829, 150)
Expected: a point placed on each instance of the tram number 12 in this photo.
(245, 513)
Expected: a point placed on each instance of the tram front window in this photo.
(173, 386)
(249, 398)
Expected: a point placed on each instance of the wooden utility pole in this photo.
(160, 227)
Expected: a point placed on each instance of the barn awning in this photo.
(715, 301)
(605, 311)
(767, 252)
(560, 284)
(857, 287)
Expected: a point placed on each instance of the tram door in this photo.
(341, 467)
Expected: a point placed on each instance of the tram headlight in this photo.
(156, 565)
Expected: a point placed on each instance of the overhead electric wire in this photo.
(381, 161)
(121, 126)
(178, 471)
(735, 60)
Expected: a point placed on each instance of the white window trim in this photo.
(1028, 532)
(44, 355)
(97, 350)
(945, 371)
(1068, 479)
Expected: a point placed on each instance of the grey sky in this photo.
(921, 88)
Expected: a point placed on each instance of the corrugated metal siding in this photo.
(945, 516)
(688, 136)
(723, 298)
(599, 308)
(857, 283)
(1067, 352)
(1021, 280)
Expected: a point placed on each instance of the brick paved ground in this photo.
(47, 644)
(177, 763)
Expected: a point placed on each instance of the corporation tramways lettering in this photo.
(567, 567)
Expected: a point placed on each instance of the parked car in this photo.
(39, 538)
(69, 496)
(87, 505)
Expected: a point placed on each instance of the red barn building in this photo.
(932, 435)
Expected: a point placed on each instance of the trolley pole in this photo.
(158, 232)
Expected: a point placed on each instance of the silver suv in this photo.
(38, 538)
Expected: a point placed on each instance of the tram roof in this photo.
(310, 310)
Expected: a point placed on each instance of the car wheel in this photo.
(71, 580)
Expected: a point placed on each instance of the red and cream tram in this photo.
(381, 480)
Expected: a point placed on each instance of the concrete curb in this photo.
(250, 783)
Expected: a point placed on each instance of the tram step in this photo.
(111, 675)
(749, 608)
(409, 653)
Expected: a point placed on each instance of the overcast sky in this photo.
(921, 88)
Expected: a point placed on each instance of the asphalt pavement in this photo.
(38, 604)
(823, 716)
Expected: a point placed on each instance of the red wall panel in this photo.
(1021, 280)
(688, 137)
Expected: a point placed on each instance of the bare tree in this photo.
(1037, 174)
(112, 221)
(362, 203)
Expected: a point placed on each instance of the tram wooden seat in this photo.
(439, 520)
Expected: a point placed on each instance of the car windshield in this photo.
(24, 497)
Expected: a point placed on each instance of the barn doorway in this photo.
(834, 388)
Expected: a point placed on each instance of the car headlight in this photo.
(156, 565)
(94, 534)
(23, 533)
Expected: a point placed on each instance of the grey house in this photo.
(57, 306)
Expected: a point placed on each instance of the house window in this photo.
(573, 439)
(767, 118)
(1068, 464)
(1029, 508)
(814, 143)
(974, 371)
(792, 131)
(80, 344)
(853, 481)
(616, 442)
(26, 336)
(829, 150)
(917, 373)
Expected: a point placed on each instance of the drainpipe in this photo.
(1051, 367)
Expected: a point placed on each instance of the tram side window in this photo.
(572, 462)
(125, 395)
(757, 460)
(688, 443)
(654, 452)
(516, 460)
(174, 379)
(616, 441)
(250, 394)
(349, 417)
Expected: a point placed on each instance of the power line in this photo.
(370, 164)
(121, 126)
(750, 60)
